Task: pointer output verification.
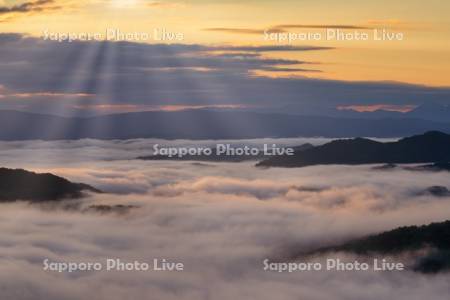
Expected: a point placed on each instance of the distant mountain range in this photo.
(432, 146)
(204, 124)
(434, 167)
(18, 184)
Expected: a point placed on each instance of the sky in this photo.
(226, 54)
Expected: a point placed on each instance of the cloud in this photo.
(10, 37)
(398, 24)
(240, 30)
(320, 26)
(374, 107)
(166, 4)
(259, 189)
(284, 28)
(281, 28)
(229, 218)
(281, 48)
(6, 94)
(29, 7)
(121, 108)
(144, 75)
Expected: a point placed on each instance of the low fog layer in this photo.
(220, 219)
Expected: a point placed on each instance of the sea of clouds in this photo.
(220, 219)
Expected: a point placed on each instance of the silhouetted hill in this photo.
(435, 167)
(18, 184)
(434, 237)
(437, 191)
(432, 146)
(203, 124)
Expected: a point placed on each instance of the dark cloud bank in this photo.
(155, 75)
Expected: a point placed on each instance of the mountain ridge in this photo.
(432, 146)
(434, 238)
(202, 124)
(19, 184)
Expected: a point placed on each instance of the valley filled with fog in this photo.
(221, 220)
